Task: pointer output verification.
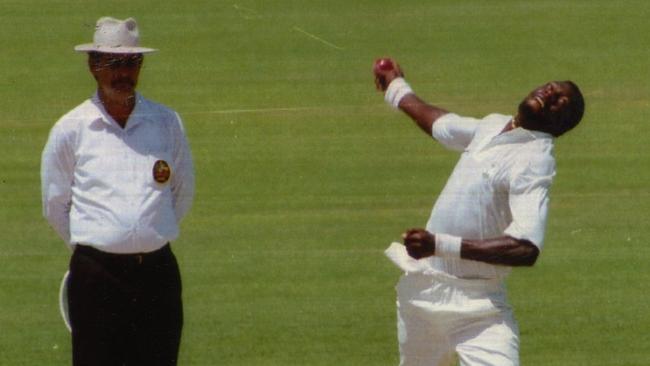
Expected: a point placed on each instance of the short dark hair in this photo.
(574, 111)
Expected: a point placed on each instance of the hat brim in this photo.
(91, 47)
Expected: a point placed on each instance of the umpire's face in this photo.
(116, 74)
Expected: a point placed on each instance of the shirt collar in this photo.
(520, 134)
(516, 135)
(136, 116)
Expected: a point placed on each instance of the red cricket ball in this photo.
(384, 64)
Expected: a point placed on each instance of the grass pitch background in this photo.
(304, 176)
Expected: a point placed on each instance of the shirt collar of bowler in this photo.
(516, 135)
(135, 118)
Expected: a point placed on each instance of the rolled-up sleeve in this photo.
(57, 172)
(454, 132)
(183, 179)
(529, 197)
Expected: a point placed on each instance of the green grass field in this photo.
(304, 175)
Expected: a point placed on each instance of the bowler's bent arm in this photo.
(424, 114)
(504, 250)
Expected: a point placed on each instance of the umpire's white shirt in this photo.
(499, 187)
(97, 178)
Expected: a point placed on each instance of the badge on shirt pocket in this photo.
(161, 171)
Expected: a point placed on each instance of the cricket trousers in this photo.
(125, 309)
(442, 320)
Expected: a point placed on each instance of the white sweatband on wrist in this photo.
(397, 89)
(448, 246)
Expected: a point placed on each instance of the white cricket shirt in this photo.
(499, 187)
(98, 186)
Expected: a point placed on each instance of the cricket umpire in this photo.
(490, 216)
(117, 177)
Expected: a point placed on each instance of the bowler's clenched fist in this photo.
(419, 243)
(385, 70)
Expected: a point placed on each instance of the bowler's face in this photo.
(549, 97)
(117, 74)
(541, 106)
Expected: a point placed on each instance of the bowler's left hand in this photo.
(419, 243)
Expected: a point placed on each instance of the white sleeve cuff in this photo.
(448, 246)
(397, 90)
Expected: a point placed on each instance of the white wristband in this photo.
(448, 246)
(397, 89)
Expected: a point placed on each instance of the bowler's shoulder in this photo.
(496, 119)
(492, 124)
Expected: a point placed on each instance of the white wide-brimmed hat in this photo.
(115, 36)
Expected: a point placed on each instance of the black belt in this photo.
(137, 258)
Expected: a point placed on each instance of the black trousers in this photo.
(125, 310)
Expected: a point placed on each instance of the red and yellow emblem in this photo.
(161, 171)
